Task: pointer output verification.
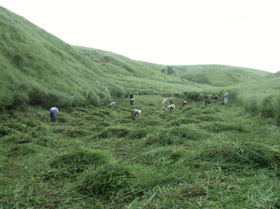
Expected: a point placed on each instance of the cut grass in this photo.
(160, 160)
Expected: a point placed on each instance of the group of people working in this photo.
(216, 97)
(136, 112)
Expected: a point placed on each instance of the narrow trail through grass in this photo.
(215, 156)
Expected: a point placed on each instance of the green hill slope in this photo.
(136, 76)
(39, 69)
(215, 75)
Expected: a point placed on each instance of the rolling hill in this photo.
(37, 68)
(214, 75)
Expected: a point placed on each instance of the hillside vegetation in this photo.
(93, 156)
(217, 75)
(40, 69)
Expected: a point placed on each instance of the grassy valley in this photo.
(93, 156)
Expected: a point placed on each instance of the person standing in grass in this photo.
(135, 113)
(226, 95)
(53, 112)
(131, 99)
(184, 103)
(164, 102)
(171, 101)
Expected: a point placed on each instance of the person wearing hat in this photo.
(171, 108)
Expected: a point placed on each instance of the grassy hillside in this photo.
(215, 75)
(40, 69)
(136, 76)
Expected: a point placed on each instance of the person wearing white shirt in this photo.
(113, 104)
(226, 98)
(164, 102)
(53, 112)
(135, 113)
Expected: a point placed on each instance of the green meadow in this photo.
(93, 156)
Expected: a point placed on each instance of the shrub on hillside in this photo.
(19, 98)
(267, 107)
(116, 91)
(104, 97)
(92, 97)
(36, 95)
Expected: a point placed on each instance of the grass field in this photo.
(215, 156)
